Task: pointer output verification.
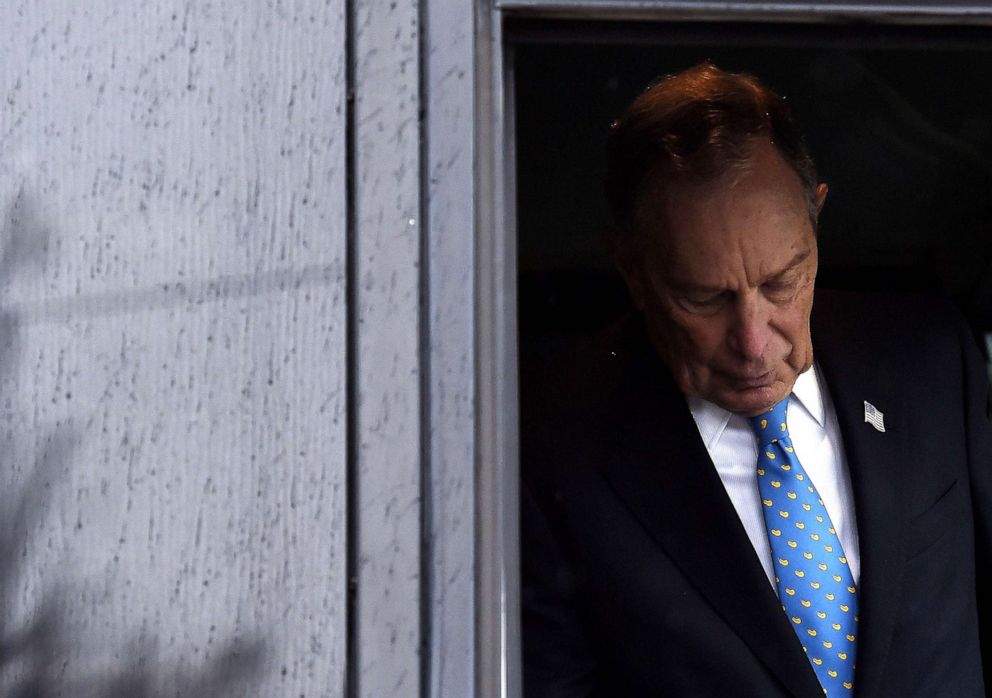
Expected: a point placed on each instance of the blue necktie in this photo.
(811, 572)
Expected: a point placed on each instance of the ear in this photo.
(630, 270)
(627, 263)
(821, 196)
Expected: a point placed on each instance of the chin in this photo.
(751, 402)
(733, 395)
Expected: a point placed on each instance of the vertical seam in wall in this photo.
(426, 450)
(477, 115)
(479, 284)
(351, 363)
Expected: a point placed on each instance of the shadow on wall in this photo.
(34, 658)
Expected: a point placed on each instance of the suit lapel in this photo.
(852, 376)
(687, 511)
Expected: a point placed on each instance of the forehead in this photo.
(755, 213)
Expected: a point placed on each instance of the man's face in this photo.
(727, 287)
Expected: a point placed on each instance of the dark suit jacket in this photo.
(638, 577)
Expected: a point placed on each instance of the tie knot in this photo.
(770, 426)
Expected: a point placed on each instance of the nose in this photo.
(750, 331)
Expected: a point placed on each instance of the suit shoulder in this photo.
(892, 323)
(569, 401)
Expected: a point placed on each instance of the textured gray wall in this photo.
(450, 100)
(172, 347)
(388, 441)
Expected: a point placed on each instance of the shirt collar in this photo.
(711, 420)
(807, 392)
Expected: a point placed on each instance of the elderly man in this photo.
(740, 490)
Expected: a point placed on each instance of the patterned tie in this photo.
(814, 582)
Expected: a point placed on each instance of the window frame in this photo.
(497, 667)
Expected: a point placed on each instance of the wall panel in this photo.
(450, 100)
(173, 347)
(388, 362)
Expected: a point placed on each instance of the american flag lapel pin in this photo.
(874, 416)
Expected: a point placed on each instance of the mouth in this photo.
(746, 382)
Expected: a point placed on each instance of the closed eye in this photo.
(779, 289)
(704, 303)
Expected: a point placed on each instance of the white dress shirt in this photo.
(816, 438)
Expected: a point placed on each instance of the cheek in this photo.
(794, 328)
(683, 342)
(701, 339)
(799, 334)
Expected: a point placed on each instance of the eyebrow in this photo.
(685, 286)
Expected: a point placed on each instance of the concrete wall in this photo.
(173, 348)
